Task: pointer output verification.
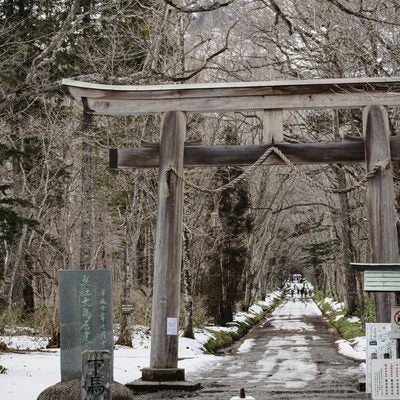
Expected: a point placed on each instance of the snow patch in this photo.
(246, 346)
(292, 324)
(336, 305)
(25, 343)
(346, 349)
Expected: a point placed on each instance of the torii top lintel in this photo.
(101, 99)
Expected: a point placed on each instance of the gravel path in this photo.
(290, 355)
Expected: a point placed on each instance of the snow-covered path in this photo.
(287, 361)
(291, 355)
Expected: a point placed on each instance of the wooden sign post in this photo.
(272, 99)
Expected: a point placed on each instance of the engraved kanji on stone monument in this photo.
(96, 375)
(85, 317)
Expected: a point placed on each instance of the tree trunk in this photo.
(86, 243)
(124, 338)
(28, 294)
(349, 282)
(15, 296)
(248, 285)
(187, 287)
(349, 288)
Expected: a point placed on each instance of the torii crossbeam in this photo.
(372, 95)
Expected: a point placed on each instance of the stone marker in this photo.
(85, 317)
(96, 375)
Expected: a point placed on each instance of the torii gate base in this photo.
(141, 386)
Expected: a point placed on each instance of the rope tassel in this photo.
(164, 181)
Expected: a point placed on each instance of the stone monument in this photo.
(86, 329)
(85, 317)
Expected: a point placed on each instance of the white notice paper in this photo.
(385, 379)
(172, 326)
(379, 343)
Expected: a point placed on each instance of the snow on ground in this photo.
(336, 305)
(24, 342)
(353, 348)
(246, 346)
(297, 308)
(346, 349)
(293, 324)
(287, 361)
(354, 319)
(257, 308)
(30, 372)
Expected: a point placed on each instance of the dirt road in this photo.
(291, 355)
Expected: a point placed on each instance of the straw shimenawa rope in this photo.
(272, 150)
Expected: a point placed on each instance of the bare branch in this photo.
(206, 61)
(346, 10)
(191, 9)
(281, 14)
(10, 101)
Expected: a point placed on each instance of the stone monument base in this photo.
(72, 390)
(163, 374)
(141, 386)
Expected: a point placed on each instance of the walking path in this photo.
(291, 355)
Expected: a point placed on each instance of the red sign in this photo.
(396, 318)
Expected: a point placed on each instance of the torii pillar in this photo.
(168, 255)
(381, 201)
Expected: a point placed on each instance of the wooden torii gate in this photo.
(373, 95)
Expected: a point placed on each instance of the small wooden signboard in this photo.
(127, 308)
(380, 277)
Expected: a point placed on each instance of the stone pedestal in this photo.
(156, 379)
(141, 386)
(163, 374)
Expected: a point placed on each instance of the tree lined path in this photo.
(293, 355)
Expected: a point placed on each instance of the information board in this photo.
(380, 345)
(385, 379)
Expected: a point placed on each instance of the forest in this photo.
(62, 207)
